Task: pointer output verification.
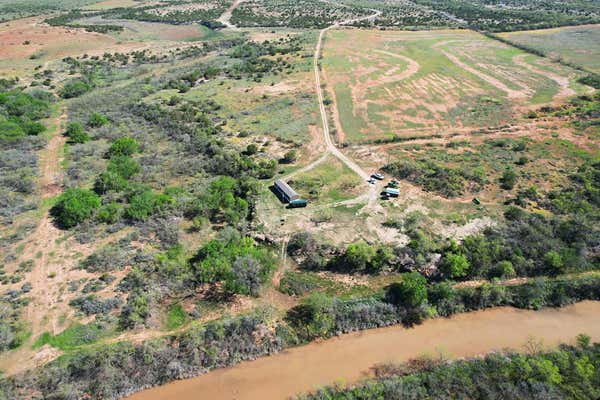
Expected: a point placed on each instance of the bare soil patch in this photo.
(55, 42)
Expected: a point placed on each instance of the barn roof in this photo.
(286, 189)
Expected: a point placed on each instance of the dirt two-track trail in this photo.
(331, 147)
(371, 193)
(225, 18)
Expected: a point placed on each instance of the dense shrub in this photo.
(136, 311)
(75, 88)
(123, 166)
(76, 133)
(107, 259)
(110, 181)
(19, 115)
(226, 199)
(12, 330)
(520, 15)
(97, 120)
(75, 206)
(144, 203)
(91, 304)
(83, 373)
(410, 292)
(508, 179)
(123, 146)
(432, 177)
(527, 244)
(110, 213)
(237, 262)
(289, 157)
(535, 294)
(592, 80)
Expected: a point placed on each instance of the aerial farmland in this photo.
(270, 199)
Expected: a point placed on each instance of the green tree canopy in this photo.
(124, 146)
(76, 133)
(455, 265)
(410, 292)
(75, 206)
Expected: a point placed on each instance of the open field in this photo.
(144, 31)
(107, 4)
(29, 42)
(14, 9)
(579, 45)
(404, 84)
(329, 182)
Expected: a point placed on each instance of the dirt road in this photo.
(375, 211)
(331, 148)
(225, 18)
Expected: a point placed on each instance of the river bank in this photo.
(348, 358)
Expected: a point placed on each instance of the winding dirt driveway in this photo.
(330, 146)
(376, 213)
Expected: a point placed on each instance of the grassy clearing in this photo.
(330, 182)
(107, 4)
(75, 336)
(301, 283)
(280, 106)
(145, 31)
(176, 317)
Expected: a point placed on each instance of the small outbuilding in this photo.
(284, 191)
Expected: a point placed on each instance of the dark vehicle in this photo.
(298, 203)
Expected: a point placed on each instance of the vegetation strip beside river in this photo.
(112, 371)
(349, 358)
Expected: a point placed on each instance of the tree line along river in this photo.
(349, 358)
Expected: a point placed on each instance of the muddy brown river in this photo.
(348, 358)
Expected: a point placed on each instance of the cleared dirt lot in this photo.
(29, 42)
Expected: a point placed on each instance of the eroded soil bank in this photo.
(349, 358)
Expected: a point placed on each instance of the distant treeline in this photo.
(68, 18)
